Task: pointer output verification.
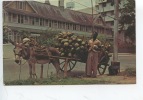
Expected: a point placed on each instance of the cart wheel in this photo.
(71, 65)
(102, 69)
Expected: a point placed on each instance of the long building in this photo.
(37, 17)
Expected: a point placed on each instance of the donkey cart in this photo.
(67, 63)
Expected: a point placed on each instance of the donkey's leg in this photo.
(30, 69)
(41, 76)
(34, 70)
(56, 64)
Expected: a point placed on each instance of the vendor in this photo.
(92, 60)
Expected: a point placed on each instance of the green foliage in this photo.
(47, 38)
(21, 82)
(5, 38)
(127, 19)
(6, 31)
(130, 32)
(57, 81)
(130, 71)
(101, 37)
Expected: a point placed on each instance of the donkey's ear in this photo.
(12, 42)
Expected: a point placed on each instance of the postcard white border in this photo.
(81, 92)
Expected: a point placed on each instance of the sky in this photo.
(83, 3)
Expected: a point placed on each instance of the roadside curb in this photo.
(7, 44)
(124, 53)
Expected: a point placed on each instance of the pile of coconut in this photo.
(71, 45)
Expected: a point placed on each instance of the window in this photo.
(4, 16)
(41, 22)
(97, 7)
(50, 24)
(86, 28)
(70, 26)
(81, 28)
(26, 18)
(74, 27)
(112, 13)
(103, 14)
(112, 3)
(104, 4)
(18, 18)
(37, 19)
(55, 23)
(21, 19)
(63, 25)
(59, 25)
(112, 23)
(17, 4)
(67, 26)
(9, 17)
(47, 22)
(32, 21)
(21, 5)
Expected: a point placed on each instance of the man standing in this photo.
(92, 60)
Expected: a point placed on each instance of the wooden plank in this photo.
(58, 57)
(65, 67)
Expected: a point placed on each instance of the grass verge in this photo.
(57, 81)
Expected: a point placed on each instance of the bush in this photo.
(130, 71)
(47, 38)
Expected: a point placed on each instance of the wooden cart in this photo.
(67, 64)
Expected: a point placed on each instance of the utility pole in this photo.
(115, 64)
(92, 17)
(104, 29)
(116, 12)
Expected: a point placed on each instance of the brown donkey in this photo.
(29, 54)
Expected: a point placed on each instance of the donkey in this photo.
(29, 54)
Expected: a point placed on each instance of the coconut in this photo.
(82, 47)
(76, 45)
(78, 48)
(70, 41)
(83, 43)
(79, 40)
(60, 39)
(58, 49)
(61, 49)
(69, 54)
(73, 38)
(62, 54)
(64, 40)
(72, 49)
(70, 44)
(66, 44)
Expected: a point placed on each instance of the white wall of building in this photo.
(108, 8)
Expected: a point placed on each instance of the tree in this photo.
(127, 19)
(6, 31)
(47, 37)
